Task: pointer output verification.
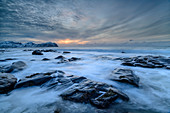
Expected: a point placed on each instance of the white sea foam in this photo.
(153, 95)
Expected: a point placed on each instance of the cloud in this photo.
(87, 21)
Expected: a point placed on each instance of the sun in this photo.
(69, 41)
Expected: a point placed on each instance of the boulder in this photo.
(147, 61)
(125, 75)
(7, 82)
(66, 52)
(99, 94)
(36, 79)
(45, 59)
(60, 57)
(74, 59)
(37, 52)
(16, 66)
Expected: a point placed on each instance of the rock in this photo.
(122, 52)
(60, 57)
(147, 61)
(76, 79)
(7, 82)
(37, 52)
(3, 60)
(88, 91)
(27, 50)
(125, 75)
(66, 52)
(36, 79)
(74, 59)
(16, 66)
(45, 59)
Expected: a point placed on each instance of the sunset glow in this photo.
(69, 41)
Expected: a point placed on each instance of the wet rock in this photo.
(66, 52)
(36, 79)
(3, 60)
(125, 75)
(91, 92)
(122, 52)
(37, 52)
(27, 50)
(7, 82)
(32, 60)
(45, 59)
(16, 66)
(76, 79)
(60, 57)
(74, 59)
(147, 61)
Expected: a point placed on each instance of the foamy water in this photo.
(153, 95)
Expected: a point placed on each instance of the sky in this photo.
(86, 22)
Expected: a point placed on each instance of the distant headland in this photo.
(12, 44)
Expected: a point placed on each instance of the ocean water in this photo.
(153, 95)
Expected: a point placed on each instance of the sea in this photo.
(152, 96)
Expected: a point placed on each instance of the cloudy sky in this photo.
(86, 22)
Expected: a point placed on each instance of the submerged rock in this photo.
(125, 75)
(16, 66)
(37, 52)
(7, 82)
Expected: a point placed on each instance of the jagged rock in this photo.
(66, 52)
(147, 61)
(7, 82)
(45, 59)
(16, 66)
(98, 94)
(37, 52)
(76, 79)
(125, 75)
(36, 79)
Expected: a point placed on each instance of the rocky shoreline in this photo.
(79, 88)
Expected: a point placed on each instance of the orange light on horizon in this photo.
(69, 41)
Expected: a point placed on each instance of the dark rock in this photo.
(16, 66)
(32, 60)
(27, 50)
(147, 61)
(122, 52)
(76, 79)
(45, 59)
(36, 79)
(66, 52)
(3, 60)
(60, 57)
(125, 75)
(74, 59)
(89, 91)
(7, 82)
(37, 52)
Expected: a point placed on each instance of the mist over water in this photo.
(151, 97)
